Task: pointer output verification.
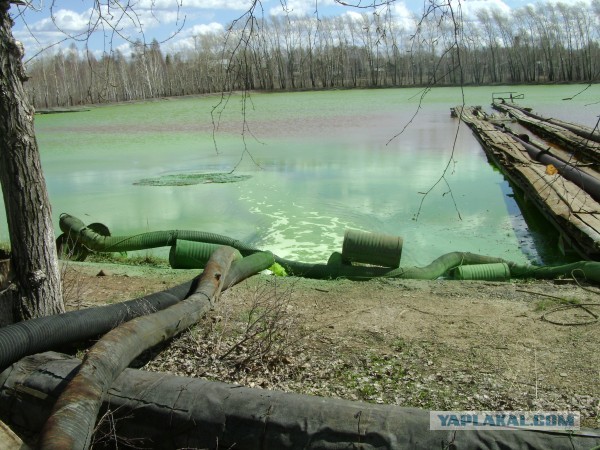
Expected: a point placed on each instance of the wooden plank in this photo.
(581, 148)
(580, 130)
(9, 440)
(571, 210)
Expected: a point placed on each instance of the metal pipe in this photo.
(584, 180)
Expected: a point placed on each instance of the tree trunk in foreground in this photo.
(26, 201)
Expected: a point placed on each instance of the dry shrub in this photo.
(73, 290)
(247, 338)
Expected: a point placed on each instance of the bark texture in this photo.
(26, 200)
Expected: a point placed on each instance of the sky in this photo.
(48, 24)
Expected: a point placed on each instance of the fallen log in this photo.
(157, 410)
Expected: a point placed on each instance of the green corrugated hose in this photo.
(192, 254)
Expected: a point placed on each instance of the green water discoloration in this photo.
(319, 162)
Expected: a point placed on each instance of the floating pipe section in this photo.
(157, 410)
(334, 268)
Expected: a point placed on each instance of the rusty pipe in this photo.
(71, 423)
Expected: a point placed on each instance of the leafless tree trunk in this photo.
(26, 200)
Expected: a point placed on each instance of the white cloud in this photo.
(185, 39)
(298, 8)
(73, 22)
(237, 5)
(470, 8)
(153, 18)
(213, 27)
(354, 16)
(403, 16)
(400, 14)
(65, 20)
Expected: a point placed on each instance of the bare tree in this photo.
(37, 280)
(38, 289)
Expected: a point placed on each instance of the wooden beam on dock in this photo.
(570, 136)
(571, 210)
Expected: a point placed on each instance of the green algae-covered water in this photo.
(312, 165)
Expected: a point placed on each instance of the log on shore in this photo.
(157, 410)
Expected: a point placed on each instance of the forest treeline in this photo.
(545, 43)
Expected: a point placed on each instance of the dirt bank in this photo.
(441, 344)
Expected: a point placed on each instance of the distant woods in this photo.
(546, 43)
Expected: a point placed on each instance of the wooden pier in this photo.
(583, 143)
(567, 206)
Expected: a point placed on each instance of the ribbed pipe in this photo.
(487, 272)
(438, 268)
(190, 255)
(71, 423)
(372, 248)
(158, 410)
(586, 270)
(79, 233)
(45, 333)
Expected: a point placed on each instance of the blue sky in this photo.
(40, 25)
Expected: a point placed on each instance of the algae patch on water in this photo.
(188, 179)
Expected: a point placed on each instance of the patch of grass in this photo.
(373, 378)
(116, 258)
(550, 302)
(278, 270)
(398, 344)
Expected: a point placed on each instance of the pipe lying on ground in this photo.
(71, 423)
(445, 265)
(186, 253)
(156, 410)
(442, 266)
(77, 232)
(372, 248)
(38, 335)
(199, 246)
(51, 332)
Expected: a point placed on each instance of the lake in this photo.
(319, 163)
